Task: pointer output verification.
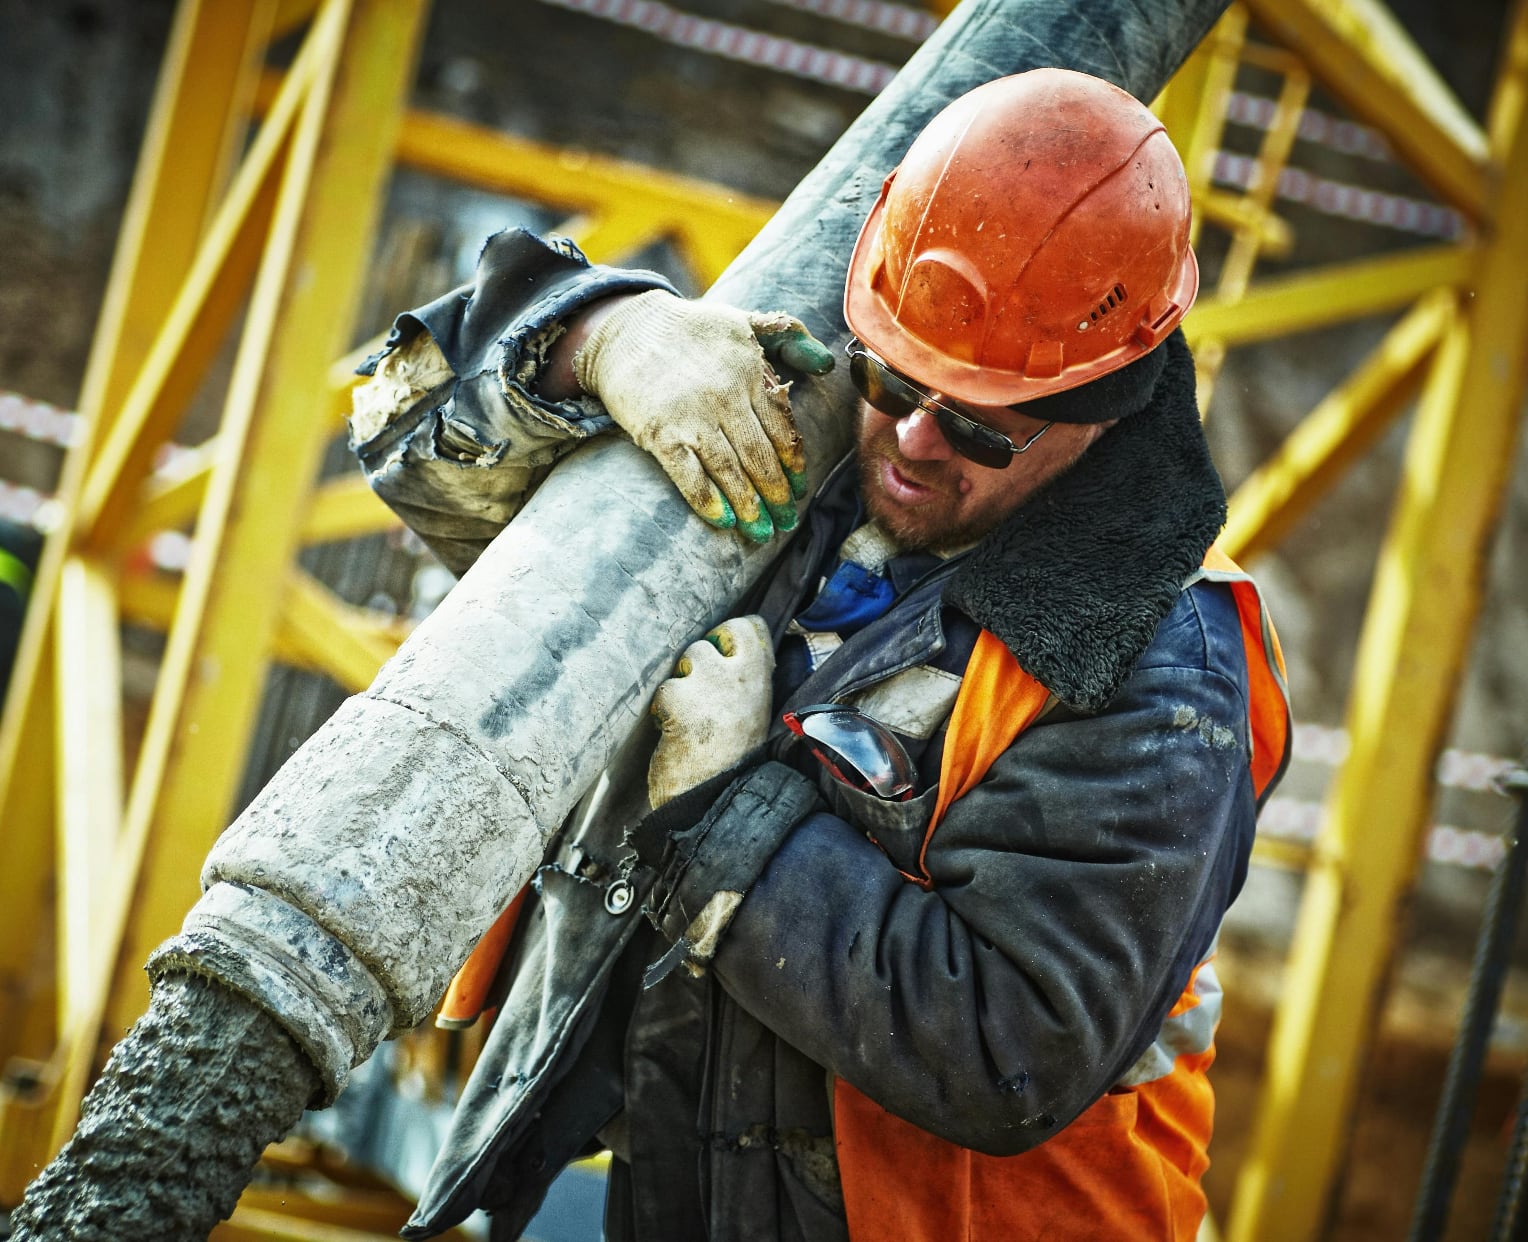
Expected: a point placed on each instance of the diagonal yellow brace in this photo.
(1235, 213)
(201, 110)
(1329, 295)
(196, 326)
(708, 249)
(332, 636)
(305, 635)
(345, 508)
(608, 236)
(343, 378)
(1363, 56)
(170, 499)
(1336, 433)
(1193, 105)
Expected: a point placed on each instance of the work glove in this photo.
(714, 710)
(691, 383)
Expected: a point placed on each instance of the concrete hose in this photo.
(171, 1130)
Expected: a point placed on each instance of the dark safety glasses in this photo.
(859, 751)
(897, 397)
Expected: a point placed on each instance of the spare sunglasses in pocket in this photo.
(855, 748)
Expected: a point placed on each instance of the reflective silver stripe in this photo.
(1189, 1033)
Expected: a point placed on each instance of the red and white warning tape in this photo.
(1334, 198)
(856, 73)
(1347, 137)
(37, 420)
(19, 503)
(901, 20)
(1457, 769)
(738, 43)
(1295, 819)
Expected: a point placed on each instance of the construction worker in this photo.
(20, 550)
(917, 942)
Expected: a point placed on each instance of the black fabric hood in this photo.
(1076, 582)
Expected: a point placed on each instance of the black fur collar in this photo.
(1076, 582)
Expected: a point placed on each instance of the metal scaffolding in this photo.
(270, 236)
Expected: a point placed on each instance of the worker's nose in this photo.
(919, 437)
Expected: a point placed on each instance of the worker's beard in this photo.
(942, 519)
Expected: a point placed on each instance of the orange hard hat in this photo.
(1034, 238)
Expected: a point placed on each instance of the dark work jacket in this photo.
(1074, 889)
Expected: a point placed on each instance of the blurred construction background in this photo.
(207, 211)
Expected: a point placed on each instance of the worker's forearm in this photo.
(556, 380)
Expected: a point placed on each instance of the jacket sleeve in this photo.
(455, 445)
(1073, 891)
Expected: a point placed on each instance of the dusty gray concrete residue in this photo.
(173, 1128)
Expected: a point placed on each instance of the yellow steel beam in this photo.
(1235, 213)
(1336, 433)
(612, 233)
(1510, 99)
(1257, 204)
(290, 14)
(708, 251)
(518, 167)
(206, 86)
(329, 634)
(343, 377)
(648, 203)
(269, 446)
(345, 508)
(170, 499)
(1364, 57)
(27, 809)
(89, 747)
(319, 633)
(1285, 855)
(149, 599)
(1329, 295)
(1193, 108)
(1425, 599)
(186, 140)
(1256, 208)
(196, 325)
(264, 1225)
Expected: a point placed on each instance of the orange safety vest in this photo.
(1129, 1167)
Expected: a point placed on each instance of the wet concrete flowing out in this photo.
(172, 1129)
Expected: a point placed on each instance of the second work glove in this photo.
(690, 383)
(714, 710)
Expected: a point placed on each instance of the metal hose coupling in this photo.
(278, 958)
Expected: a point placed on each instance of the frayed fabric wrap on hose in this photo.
(398, 832)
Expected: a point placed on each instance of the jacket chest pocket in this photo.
(897, 827)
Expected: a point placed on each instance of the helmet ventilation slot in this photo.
(1116, 297)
